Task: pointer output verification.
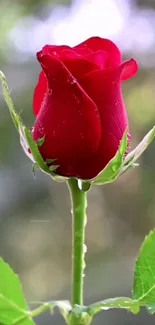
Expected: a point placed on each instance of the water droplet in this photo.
(49, 92)
(84, 265)
(114, 168)
(83, 275)
(74, 81)
(71, 80)
(76, 98)
(53, 132)
(40, 129)
(85, 248)
(80, 184)
(54, 53)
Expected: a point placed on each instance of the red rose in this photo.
(79, 106)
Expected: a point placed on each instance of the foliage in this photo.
(14, 310)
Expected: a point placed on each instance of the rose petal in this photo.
(97, 43)
(67, 117)
(100, 58)
(39, 92)
(82, 50)
(54, 49)
(130, 68)
(105, 90)
(77, 64)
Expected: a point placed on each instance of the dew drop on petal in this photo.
(40, 129)
(76, 98)
(49, 92)
(73, 81)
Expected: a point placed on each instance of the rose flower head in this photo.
(79, 107)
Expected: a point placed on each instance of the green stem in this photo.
(79, 205)
(40, 310)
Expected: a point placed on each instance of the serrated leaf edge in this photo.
(137, 259)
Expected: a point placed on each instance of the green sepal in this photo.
(112, 170)
(121, 163)
(15, 117)
(144, 274)
(50, 161)
(26, 139)
(132, 157)
(79, 315)
(113, 303)
(41, 141)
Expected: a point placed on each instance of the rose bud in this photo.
(79, 106)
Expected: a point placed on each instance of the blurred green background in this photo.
(35, 221)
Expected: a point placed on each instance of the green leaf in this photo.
(144, 275)
(13, 306)
(130, 159)
(121, 302)
(111, 171)
(35, 152)
(24, 321)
